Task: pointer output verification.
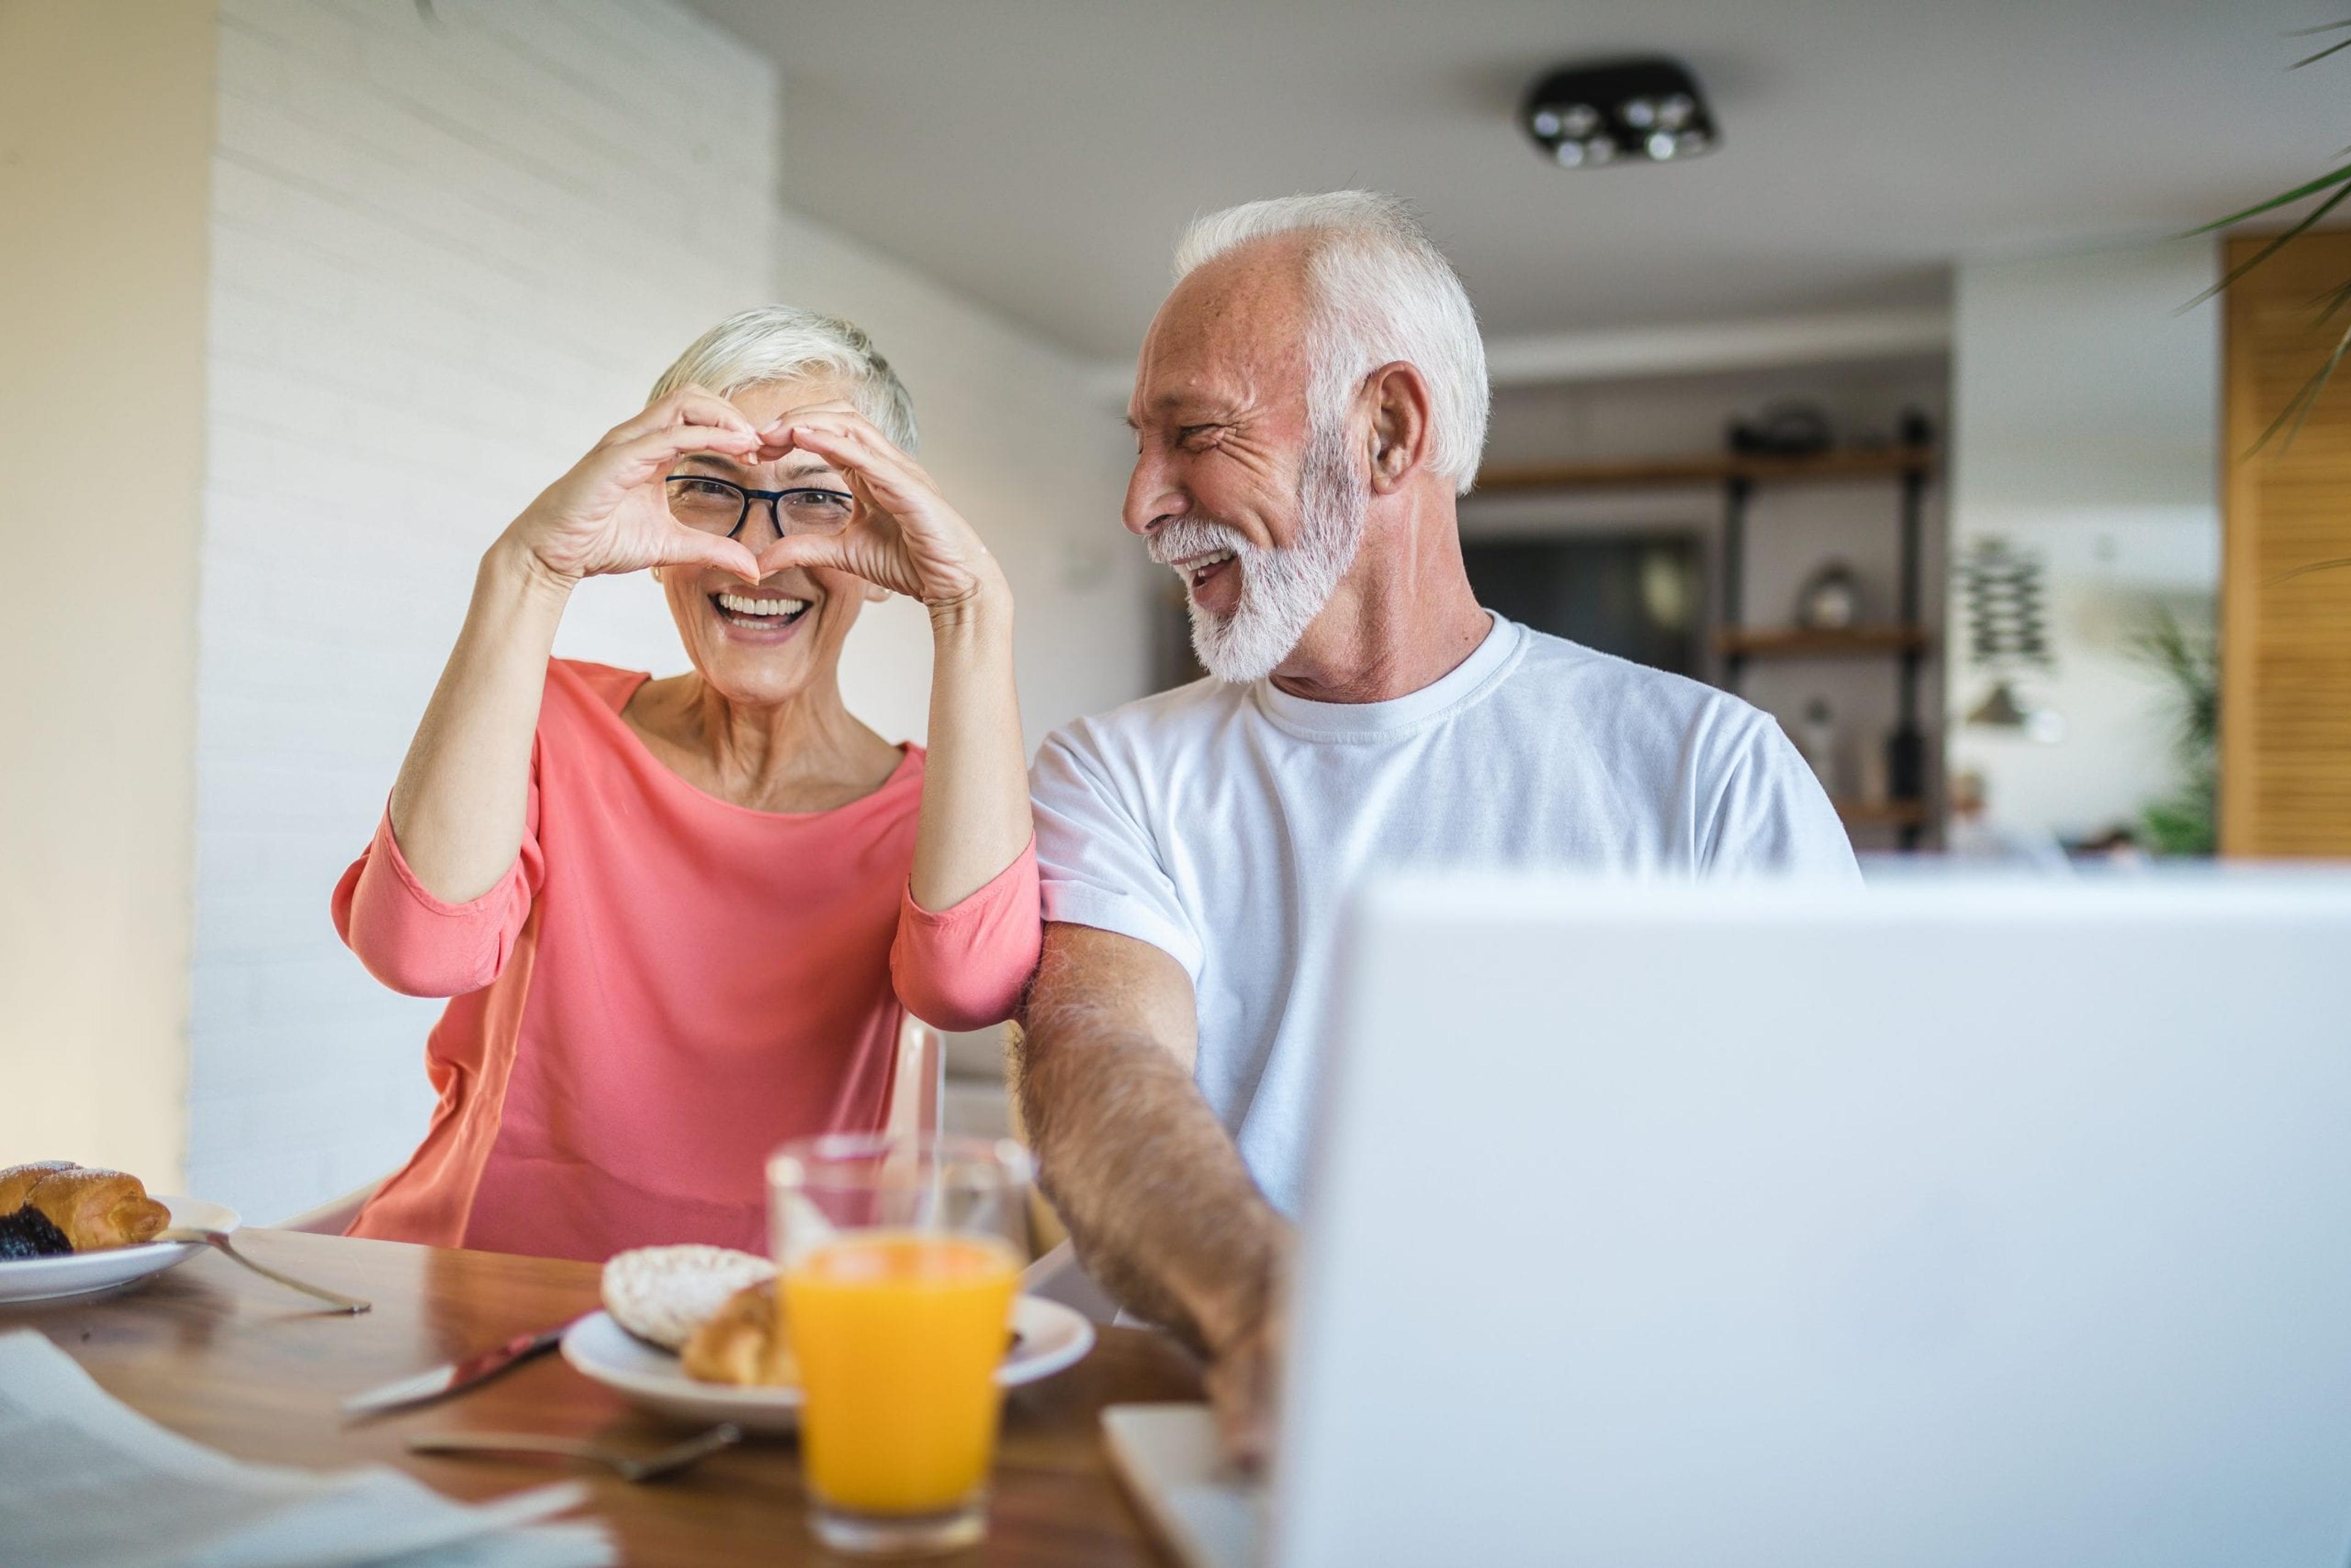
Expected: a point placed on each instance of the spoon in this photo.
(628, 1466)
(218, 1242)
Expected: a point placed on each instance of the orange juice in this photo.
(899, 1335)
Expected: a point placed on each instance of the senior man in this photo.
(1308, 403)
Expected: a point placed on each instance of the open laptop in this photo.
(1945, 1223)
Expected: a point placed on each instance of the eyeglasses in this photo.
(720, 506)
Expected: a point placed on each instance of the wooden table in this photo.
(234, 1362)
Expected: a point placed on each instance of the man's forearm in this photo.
(1163, 1211)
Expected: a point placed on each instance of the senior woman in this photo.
(682, 919)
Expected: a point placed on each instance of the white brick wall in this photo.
(448, 253)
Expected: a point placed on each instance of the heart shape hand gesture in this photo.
(610, 514)
(902, 536)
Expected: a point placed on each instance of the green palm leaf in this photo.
(2278, 244)
(2287, 200)
(2337, 564)
(2327, 304)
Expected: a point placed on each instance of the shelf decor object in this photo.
(1906, 641)
(2006, 594)
(1830, 599)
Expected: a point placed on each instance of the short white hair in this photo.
(781, 343)
(1382, 292)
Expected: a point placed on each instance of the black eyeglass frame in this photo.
(775, 498)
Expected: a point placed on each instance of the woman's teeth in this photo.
(1198, 570)
(760, 608)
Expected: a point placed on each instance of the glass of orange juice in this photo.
(898, 1273)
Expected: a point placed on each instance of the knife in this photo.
(458, 1377)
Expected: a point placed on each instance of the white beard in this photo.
(1282, 590)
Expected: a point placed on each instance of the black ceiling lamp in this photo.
(1644, 111)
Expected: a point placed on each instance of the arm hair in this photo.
(1163, 1212)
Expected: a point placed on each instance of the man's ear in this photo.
(1400, 424)
(876, 594)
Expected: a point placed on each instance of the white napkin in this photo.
(87, 1482)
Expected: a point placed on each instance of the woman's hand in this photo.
(610, 512)
(902, 536)
(460, 804)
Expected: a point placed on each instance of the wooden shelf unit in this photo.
(1707, 468)
(1805, 642)
(1909, 815)
(1905, 641)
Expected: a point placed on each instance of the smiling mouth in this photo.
(757, 614)
(1198, 569)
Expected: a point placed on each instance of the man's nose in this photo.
(1151, 494)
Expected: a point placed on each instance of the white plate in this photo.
(1052, 1337)
(80, 1273)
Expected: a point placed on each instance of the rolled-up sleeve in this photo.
(421, 946)
(965, 967)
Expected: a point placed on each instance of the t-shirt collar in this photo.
(1366, 721)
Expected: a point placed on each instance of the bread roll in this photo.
(662, 1294)
(747, 1343)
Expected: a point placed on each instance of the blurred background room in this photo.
(1883, 380)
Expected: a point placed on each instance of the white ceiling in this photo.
(1041, 155)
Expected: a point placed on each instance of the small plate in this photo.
(83, 1273)
(1052, 1337)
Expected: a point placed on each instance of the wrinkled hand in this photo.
(610, 512)
(902, 536)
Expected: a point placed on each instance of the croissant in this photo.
(96, 1209)
(16, 1181)
(745, 1343)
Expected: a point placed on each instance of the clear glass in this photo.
(899, 1263)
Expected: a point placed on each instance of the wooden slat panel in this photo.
(1705, 468)
(2285, 664)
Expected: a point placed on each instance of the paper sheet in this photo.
(87, 1482)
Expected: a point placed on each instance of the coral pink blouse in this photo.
(662, 988)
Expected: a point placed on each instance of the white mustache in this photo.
(1179, 539)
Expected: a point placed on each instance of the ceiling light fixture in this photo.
(1588, 116)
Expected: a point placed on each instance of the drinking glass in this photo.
(898, 1270)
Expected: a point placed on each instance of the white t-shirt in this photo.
(1225, 825)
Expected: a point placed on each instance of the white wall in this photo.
(105, 118)
(1022, 441)
(2087, 428)
(447, 255)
